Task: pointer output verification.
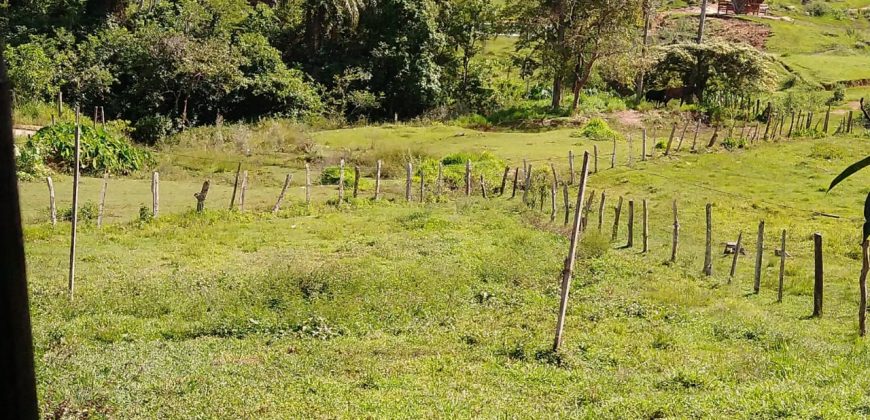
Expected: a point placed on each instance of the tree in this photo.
(467, 25)
(720, 66)
(572, 35)
(327, 18)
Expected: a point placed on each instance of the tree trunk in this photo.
(557, 92)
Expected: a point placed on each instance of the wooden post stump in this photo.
(201, 196)
(52, 208)
(759, 256)
(155, 194)
(630, 243)
(617, 211)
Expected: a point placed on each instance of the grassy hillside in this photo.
(391, 309)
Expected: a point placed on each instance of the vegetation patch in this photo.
(100, 151)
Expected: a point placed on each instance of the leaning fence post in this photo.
(645, 226)
(695, 138)
(630, 242)
(516, 178)
(201, 196)
(682, 136)
(759, 256)
(819, 286)
(408, 182)
(235, 186)
(507, 170)
(862, 287)
(75, 207)
(567, 272)
(283, 191)
(102, 199)
(782, 256)
(52, 208)
(617, 212)
(708, 253)
(601, 210)
(670, 139)
(155, 194)
(736, 255)
(527, 185)
(827, 118)
(307, 185)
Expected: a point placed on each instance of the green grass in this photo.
(422, 310)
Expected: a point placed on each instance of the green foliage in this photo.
(87, 212)
(838, 95)
(827, 151)
(731, 143)
(483, 163)
(597, 129)
(330, 175)
(101, 151)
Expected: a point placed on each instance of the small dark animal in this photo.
(663, 96)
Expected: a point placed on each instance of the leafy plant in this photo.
(851, 170)
(100, 150)
(598, 129)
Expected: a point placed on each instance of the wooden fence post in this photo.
(356, 181)
(423, 186)
(584, 218)
(571, 167)
(643, 145)
(708, 253)
(849, 122)
(682, 136)
(408, 169)
(235, 186)
(695, 137)
(645, 226)
(791, 125)
(862, 287)
(769, 116)
(601, 210)
(307, 185)
(670, 139)
(781, 124)
(613, 155)
(630, 150)
(468, 177)
(782, 254)
(507, 170)
(440, 181)
(759, 256)
(555, 175)
(527, 185)
(617, 212)
(630, 242)
(283, 191)
(52, 208)
(713, 137)
(736, 256)
(244, 191)
(75, 207)
(201, 196)
(340, 182)
(516, 178)
(552, 202)
(567, 203)
(378, 180)
(567, 272)
(155, 194)
(675, 241)
(595, 150)
(819, 286)
(827, 118)
(102, 205)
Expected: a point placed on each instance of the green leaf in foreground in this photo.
(857, 166)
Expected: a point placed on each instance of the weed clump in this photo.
(597, 129)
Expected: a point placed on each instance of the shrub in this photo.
(484, 163)
(733, 143)
(839, 94)
(87, 213)
(330, 175)
(475, 121)
(597, 129)
(817, 8)
(100, 151)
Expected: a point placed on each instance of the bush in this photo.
(817, 9)
(485, 163)
(87, 213)
(474, 121)
(839, 94)
(733, 143)
(597, 129)
(100, 151)
(330, 175)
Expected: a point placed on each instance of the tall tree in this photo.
(468, 24)
(327, 18)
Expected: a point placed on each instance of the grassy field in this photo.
(391, 309)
